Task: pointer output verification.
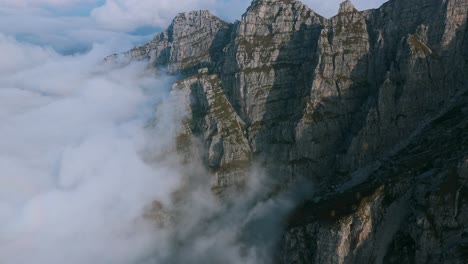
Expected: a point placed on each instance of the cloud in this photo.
(127, 15)
(52, 3)
(66, 35)
(73, 184)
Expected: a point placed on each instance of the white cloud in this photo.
(128, 15)
(64, 34)
(56, 3)
(72, 181)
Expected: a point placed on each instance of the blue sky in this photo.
(83, 9)
(74, 25)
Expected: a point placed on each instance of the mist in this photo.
(89, 172)
(73, 184)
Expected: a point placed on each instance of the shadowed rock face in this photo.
(411, 207)
(348, 103)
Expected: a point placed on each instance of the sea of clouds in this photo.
(73, 183)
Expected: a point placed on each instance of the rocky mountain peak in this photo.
(194, 17)
(274, 1)
(275, 4)
(185, 44)
(347, 7)
(187, 24)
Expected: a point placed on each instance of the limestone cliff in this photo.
(354, 103)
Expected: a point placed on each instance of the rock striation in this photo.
(368, 105)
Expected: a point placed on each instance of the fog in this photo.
(89, 173)
(73, 184)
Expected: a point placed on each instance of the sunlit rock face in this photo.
(368, 105)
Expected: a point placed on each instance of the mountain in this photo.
(370, 106)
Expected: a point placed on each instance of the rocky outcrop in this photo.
(212, 118)
(326, 99)
(187, 45)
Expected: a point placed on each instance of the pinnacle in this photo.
(347, 7)
(275, 1)
(195, 13)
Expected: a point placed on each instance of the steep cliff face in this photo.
(348, 103)
(411, 207)
(214, 121)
